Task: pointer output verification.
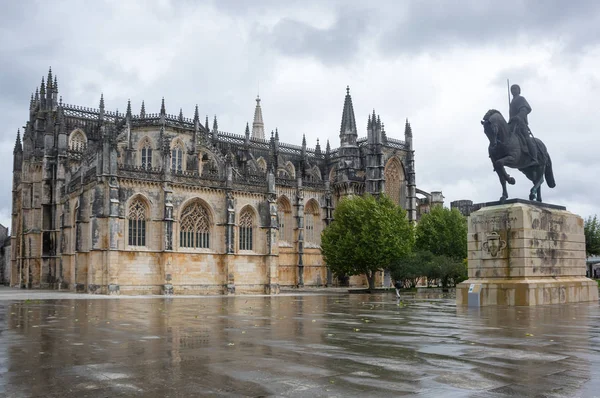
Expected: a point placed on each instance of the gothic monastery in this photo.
(153, 203)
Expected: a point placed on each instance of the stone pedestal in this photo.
(526, 253)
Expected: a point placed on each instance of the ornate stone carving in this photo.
(493, 244)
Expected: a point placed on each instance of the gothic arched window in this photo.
(177, 158)
(137, 223)
(146, 154)
(77, 141)
(394, 178)
(246, 228)
(194, 227)
(312, 223)
(284, 213)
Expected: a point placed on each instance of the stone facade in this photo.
(526, 254)
(155, 203)
(4, 255)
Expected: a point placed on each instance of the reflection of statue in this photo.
(518, 111)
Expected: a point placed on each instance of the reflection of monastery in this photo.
(106, 202)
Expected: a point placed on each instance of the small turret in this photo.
(128, 112)
(18, 154)
(348, 133)
(247, 136)
(318, 149)
(163, 110)
(215, 129)
(258, 127)
(101, 113)
(143, 111)
(180, 117)
(196, 115)
(408, 136)
(18, 147)
(303, 146)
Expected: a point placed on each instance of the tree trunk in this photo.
(371, 279)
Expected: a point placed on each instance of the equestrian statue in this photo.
(512, 145)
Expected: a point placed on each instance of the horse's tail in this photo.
(549, 174)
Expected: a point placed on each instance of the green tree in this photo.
(591, 229)
(412, 267)
(443, 232)
(367, 235)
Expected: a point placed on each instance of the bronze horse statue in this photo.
(508, 148)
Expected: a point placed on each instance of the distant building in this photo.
(428, 201)
(465, 207)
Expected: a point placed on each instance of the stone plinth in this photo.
(526, 253)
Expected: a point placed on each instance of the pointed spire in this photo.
(196, 115)
(304, 140)
(128, 113)
(276, 134)
(369, 122)
(258, 126)
(407, 129)
(206, 124)
(42, 89)
(327, 148)
(18, 147)
(31, 102)
(162, 107)
(180, 115)
(143, 110)
(49, 77)
(36, 98)
(318, 148)
(348, 126)
(247, 130)
(55, 85)
(102, 102)
(215, 124)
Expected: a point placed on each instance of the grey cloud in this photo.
(333, 45)
(434, 25)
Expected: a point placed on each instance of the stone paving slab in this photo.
(60, 344)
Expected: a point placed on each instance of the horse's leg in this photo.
(539, 194)
(538, 179)
(503, 183)
(499, 166)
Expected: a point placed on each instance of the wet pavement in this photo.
(310, 345)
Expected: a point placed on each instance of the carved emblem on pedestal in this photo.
(493, 244)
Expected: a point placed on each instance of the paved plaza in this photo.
(293, 345)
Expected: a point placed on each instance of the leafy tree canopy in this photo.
(366, 236)
(442, 232)
(591, 229)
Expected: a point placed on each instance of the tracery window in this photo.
(284, 213)
(77, 141)
(195, 227)
(393, 182)
(146, 155)
(312, 223)
(246, 228)
(137, 223)
(177, 158)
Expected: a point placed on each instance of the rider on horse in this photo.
(518, 111)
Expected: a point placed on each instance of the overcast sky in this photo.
(441, 64)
